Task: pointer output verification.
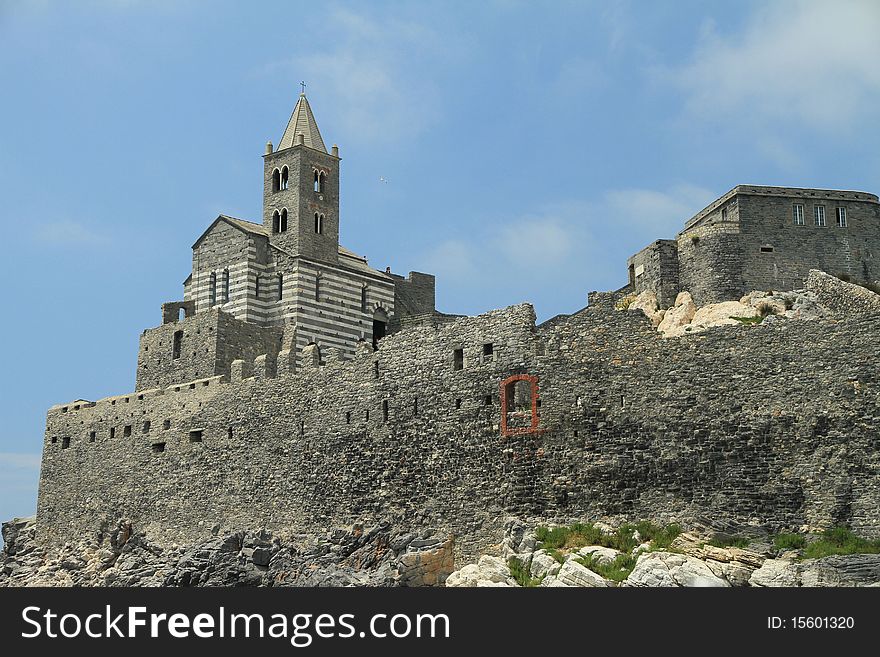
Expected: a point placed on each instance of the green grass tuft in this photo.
(582, 534)
(556, 554)
(789, 541)
(840, 540)
(730, 541)
(617, 571)
(520, 573)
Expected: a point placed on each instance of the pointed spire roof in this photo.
(302, 120)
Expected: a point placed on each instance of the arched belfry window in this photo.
(282, 223)
(285, 174)
(276, 221)
(225, 286)
(321, 182)
(212, 290)
(317, 182)
(319, 224)
(276, 180)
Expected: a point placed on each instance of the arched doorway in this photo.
(380, 326)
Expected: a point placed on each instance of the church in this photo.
(284, 283)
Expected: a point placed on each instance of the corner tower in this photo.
(301, 189)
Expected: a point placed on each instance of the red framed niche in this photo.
(508, 401)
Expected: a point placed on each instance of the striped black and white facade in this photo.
(289, 271)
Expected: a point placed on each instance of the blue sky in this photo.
(529, 148)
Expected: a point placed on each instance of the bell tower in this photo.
(301, 189)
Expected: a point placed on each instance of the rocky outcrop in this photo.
(352, 556)
(843, 298)
(383, 556)
(838, 570)
(646, 301)
(671, 569)
(574, 574)
(684, 318)
(689, 560)
(488, 571)
(679, 316)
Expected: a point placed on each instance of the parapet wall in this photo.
(200, 346)
(773, 423)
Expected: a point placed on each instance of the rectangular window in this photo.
(166, 425)
(458, 359)
(487, 400)
(146, 427)
(158, 448)
(257, 287)
(92, 436)
(195, 436)
(841, 217)
(318, 288)
(766, 249)
(488, 351)
(819, 214)
(280, 286)
(798, 213)
(723, 214)
(126, 430)
(65, 442)
(175, 349)
(113, 432)
(385, 410)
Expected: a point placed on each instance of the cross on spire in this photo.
(303, 85)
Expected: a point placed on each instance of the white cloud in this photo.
(452, 260)
(19, 476)
(537, 240)
(68, 233)
(658, 213)
(556, 254)
(19, 461)
(372, 70)
(814, 62)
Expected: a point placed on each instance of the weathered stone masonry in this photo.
(777, 423)
(763, 238)
(275, 401)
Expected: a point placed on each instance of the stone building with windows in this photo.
(283, 284)
(275, 403)
(762, 238)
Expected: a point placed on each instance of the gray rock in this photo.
(543, 564)
(776, 572)
(603, 555)
(670, 569)
(574, 574)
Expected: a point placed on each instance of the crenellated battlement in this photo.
(296, 388)
(460, 423)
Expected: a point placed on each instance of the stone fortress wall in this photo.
(776, 423)
(748, 239)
